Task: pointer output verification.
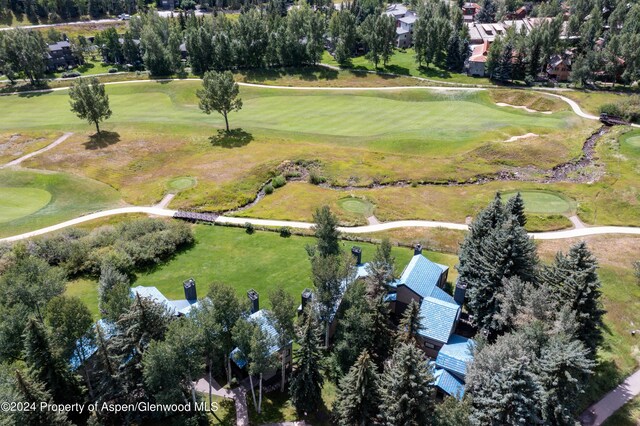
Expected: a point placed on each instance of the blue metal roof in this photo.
(440, 294)
(87, 347)
(449, 383)
(438, 318)
(154, 294)
(421, 275)
(455, 355)
(260, 318)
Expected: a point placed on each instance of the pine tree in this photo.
(113, 293)
(32, 391)
(381, 270)
(515, 207)
(326, 231)
(307, 380)
(564, 366)
(406, 389)
(573, 279)
(410, 324)
(455, 61)
(488, 12)
(453, 412)
(358, 399)
(47, 367)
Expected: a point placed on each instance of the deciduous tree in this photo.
(219, 93)
(90, 101)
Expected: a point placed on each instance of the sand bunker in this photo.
(515, 138)
(502, 104)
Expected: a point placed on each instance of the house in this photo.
(469, 11)
(60, 55)
(167, 4)
(478, 60)
(176, 307)
(259, 317)
(424, 281)
(405, 19)
(519, 13)
(479, 33)
(559, 67)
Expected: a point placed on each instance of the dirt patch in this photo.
(527, 135)
(502, 104)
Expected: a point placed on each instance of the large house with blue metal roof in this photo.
(424, 281)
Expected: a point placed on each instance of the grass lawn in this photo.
(261, 261)
(628, 415)
(403, 62)
(157, 133)
(32, 199)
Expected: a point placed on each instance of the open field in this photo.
(260, 261)
(403, 62)
(41, 199)
(159, 134)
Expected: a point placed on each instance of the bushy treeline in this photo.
(628, 109)
(126, 247)
(23, 54)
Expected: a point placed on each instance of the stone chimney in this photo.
(417, 249)
(460, 292)
(190, 292)
(254, 298)
(307, 294)
(357, 254)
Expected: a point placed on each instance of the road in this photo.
(229, 220)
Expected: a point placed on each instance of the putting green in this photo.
(181, 183)
(633, 141)
(356, 205)
(20, 202)
(543, 202)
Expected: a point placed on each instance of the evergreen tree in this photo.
(406, 389)
(573, 280)
(307, 380)
(410, 324)
(487, 13)
(47, 367)
(326, 232)
(515, 208)
(453, 412)
(505, 65)
(381, 270)
(358, 399)
(342, 28)
(113, 293)
(31, 391)
(455, 59)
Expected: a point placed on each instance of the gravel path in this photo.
(52, 145)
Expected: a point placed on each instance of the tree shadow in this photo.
(234, 138)
(102, 140)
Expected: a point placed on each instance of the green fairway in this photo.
(543, 202)
(425, 114)
(19, 202)
(261, 261)
(30, 199)
(633, 142)
(356, 205)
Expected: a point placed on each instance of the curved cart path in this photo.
(612, 402)
(159, 211)
(40, 151)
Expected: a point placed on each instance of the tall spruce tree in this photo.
(574, 280)
(410, 324)
(307, 380)
(515, 207)
(326, 232)
(358, 398)
(31, 391)
(406, 389)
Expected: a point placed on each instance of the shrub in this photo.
(70, 74)
(627, 108)
(113, 70)
(248, 226)
(315, 178)
(278, 181)
(285, 232)
(268, 189)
